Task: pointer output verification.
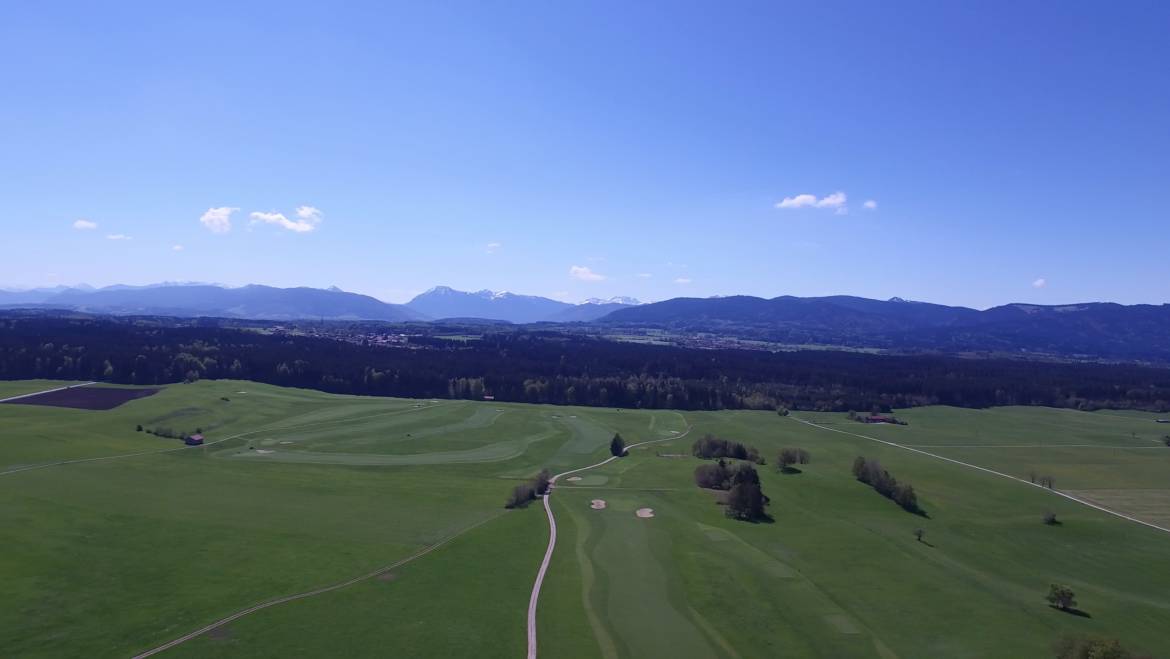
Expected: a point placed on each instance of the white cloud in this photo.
(870, 204)
(799, 201)
(1040, 283)
(310, 214)
(584, 273)
(836, 201)
(218, 219)
(645, 275)
(308, 219)
(683, 280)
(177, 248)
(118, 236)
(84, 225)
(491, 248)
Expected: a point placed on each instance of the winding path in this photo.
(1070, 497)
(552, 536)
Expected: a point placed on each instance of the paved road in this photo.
(46, 391)
(989, 471)
(552, 537)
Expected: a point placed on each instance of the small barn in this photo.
(193, 440)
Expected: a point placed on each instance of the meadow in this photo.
(296, 490)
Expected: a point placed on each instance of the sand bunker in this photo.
(573, 478)
(597, 504)
(645, 512)
(286, 442)
(263, 451)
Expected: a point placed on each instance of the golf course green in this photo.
(118, 541)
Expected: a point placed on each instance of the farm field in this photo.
(296, 490)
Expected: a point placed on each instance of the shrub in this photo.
(791, 456)
(525, 492)
(1050, 519)
(1090, 647)
(521, 495)
(138, 428)
(712, 476)
(540, 484)
(1061, 596)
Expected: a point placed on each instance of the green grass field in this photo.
(298, 490)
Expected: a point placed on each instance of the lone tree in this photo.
(918, 533)
(617, 445)
(1061, 596)
(1050, 519)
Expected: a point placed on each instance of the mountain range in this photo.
(270, 303)
(1094, 330)
(445, 302)
(1101, 330)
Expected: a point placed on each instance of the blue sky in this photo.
(1015, 151)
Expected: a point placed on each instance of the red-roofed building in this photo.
(194, 440)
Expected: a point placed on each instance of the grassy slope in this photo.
(106, 558)
(840, 573)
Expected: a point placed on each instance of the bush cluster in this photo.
(525, 492)
(710, 446)
(745, 499)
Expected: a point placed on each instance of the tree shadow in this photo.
(1072, 611)
(927, 543)
(790, 470)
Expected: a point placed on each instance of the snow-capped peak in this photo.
(620, 299)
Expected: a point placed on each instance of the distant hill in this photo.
(254, 301)
(1091, 330)
(445, 302)
(592, 309)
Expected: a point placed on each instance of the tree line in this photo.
(872, 474)
(537, 366)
